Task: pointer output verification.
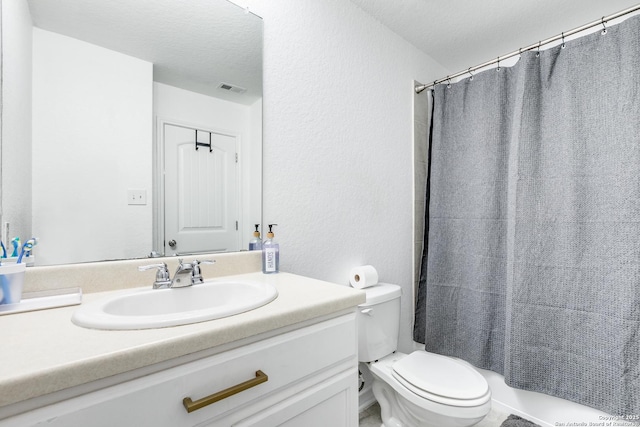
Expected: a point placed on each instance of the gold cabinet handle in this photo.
(191, 406)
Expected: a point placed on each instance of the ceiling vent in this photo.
(231, 88)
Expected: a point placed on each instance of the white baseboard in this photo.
(365, 399)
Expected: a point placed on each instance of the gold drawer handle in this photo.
(191, 406)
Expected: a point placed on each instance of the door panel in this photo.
(201, 191)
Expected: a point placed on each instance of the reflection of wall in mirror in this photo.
(92, 141)
(16, 118)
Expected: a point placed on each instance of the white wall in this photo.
(16, 119)
(252, 170)
(92, 141)
(338, 119)
(190, 108)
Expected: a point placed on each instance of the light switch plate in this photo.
(137, 197)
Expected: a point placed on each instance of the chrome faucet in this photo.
(186, 275)
(181, 275)
(192, 270)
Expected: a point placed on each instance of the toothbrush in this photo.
(34, 242)
(26, 249)
(16, 244)
(4, 250)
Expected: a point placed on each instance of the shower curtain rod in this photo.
(602, 21)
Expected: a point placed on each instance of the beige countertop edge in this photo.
(297, 302)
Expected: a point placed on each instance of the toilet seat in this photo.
(441, 379)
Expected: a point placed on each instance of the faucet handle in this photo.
(204, 261)
(196, 275)
(162, 275)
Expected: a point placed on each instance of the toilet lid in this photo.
(441, 376)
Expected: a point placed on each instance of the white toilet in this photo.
(419, 389)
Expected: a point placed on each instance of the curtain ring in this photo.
(448, 83)
(563, 45)
(520, 53)
(498, 69)
(538, 52)
(604, 27)
(470, 73)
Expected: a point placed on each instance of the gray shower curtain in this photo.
(531, 265)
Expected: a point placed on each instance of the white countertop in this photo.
(43, 352)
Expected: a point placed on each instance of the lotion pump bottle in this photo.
(270, 254)
(255, 244)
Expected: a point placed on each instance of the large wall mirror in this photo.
(130, 128)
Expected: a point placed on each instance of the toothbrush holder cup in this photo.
(11, 282)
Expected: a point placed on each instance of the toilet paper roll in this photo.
(363, 276)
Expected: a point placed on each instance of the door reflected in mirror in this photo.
(200, 191)
(118, 95)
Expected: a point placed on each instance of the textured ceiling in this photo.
(459, 34)
(197, 44)
(194, 44)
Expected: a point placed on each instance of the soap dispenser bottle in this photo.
(255, 244)
(270, 253)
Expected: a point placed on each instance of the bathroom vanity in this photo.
(290, 362)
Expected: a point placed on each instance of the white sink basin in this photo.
(158, 308)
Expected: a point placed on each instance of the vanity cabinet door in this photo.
(295, 362)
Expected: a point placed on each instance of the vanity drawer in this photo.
(284, 359)
(157, 399)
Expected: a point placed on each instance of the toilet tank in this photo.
(379, 322)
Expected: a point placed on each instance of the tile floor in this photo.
(370, 417)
